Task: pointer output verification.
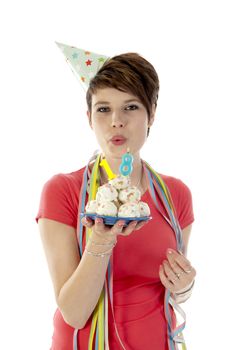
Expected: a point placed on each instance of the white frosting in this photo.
(120, 182)
(106, 193)
(130, 194)
(106, 208)
(91, 207)
(144, 209)
(129, 209)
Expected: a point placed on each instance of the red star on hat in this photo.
(88, 62)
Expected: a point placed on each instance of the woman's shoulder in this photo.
(66, 179)
(182, 199)
(59, 197)
(174, 183)
(179, 189)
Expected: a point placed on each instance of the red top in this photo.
(137, 291)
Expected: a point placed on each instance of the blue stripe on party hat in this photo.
(84, 64)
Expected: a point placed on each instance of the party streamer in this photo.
(98, 338)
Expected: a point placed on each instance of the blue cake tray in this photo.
(111, 220)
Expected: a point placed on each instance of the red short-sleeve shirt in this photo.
(137, 290)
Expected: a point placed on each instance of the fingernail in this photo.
(188, 270)
(169, 251)
(121, 224)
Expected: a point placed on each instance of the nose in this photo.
(117, 120)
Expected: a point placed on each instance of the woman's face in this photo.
(119, 121)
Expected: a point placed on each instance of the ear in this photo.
(152, 116)
(89, 118)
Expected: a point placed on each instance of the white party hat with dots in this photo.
(84, 64)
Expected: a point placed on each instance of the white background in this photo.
(44, 131)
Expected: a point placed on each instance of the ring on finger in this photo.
(173, 278)
(178, 274)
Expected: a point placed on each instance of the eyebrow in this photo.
(107, 103)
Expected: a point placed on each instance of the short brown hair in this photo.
(130, 73)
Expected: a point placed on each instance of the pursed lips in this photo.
(118, 138)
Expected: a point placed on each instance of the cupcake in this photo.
(144, 209)
(120, 182)
(106, 208)
(130, 194)
(91, 207)
(129, 210)
(107, 193)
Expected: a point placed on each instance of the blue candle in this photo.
(126, 166)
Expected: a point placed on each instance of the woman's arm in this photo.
(77, 283)
(186, 232)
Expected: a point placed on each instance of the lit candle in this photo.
(126, 166)
(107, 168)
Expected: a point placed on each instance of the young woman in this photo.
(147, 264)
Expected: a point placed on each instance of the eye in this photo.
(102, 109)
(132, 107)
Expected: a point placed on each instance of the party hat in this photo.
(84, 64)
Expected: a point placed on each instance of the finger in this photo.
(118, 227)
(100, 228)
(180, 252)
(129, 229)
(182, 275)
(184, 264)
(170, 273)
(140, 225)
(87, 222)
(181, 260)
(172, 261)
(178, 271)
(165, 281)
(176, 254)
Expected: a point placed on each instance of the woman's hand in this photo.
(110, 233)
(176, 273)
